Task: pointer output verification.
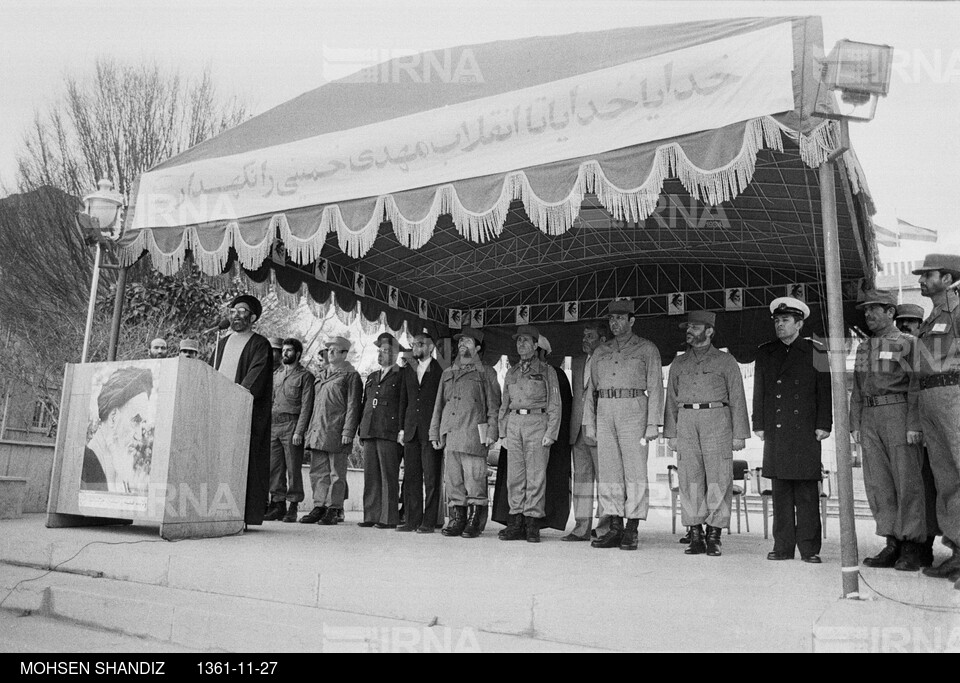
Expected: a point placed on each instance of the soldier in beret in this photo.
(792, 407)
(881, 414)
(936, 367)
(705, 419)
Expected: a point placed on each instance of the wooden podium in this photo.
(162, 441)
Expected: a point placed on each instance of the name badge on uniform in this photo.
(886, 355)
(939, 328)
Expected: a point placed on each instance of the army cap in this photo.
(189, 345)
(341, 343)
(700, 318)
(620, 306)
(880, 297)
(476, 335)
(789, 305)
(947, 263)
(908, 311)
(528, 330)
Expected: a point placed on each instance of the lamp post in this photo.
(854, 76)
(103, 213)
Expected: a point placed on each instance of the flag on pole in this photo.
(886, 238)
(909, 231)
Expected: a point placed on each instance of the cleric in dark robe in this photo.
(557, 497)
(247, 359)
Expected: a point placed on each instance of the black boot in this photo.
(612, 538)
(314, 516)
(887, 557)
(713, 541)
(948, 569)
(630, 539)
(458, 520)
(291, 515)
(475, 517)
(278, 509)
(331, 517)
(533, 529)
(686, 537)
(514, 531)
(697, 546)
(926, 552)
(909, 560)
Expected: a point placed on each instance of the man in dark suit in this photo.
(792, 414)
(246, 358)
(379, 429)
(584, 450)
(423, 464)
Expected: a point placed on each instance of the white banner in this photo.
(697, 88)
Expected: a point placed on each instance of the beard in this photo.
(696, 339)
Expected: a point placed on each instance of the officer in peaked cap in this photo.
(881, 413)
(626, 379)
(705, 420)
(935, 365)
(792, 408)
(909, 317)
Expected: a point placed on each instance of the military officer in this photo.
(705, 419)
(909, 317)
(792, 414)
(936, 368)
(626, 378)
(529, 423)
(881, 414)
(464, 423)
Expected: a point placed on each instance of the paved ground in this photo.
(290, 587)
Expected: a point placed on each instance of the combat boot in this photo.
(909, 560)
(612, 538)
(887, 557)
(331, 517)
(533, 529)
(713, 541)
(475, 517)
(291, 515)
(697, 546)
(458, 520)
(948, 569)
(314, 516)
(686, 537)
(514, 531)
(277, 510)
(630, 539)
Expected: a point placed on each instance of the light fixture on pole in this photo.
(101, 220)
(854, 77)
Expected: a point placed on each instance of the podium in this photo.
(158, 440)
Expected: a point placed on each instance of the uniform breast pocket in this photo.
(291, 390)
(533, 389)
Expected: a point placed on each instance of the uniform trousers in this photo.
(705, 466)
(381, 481)
(328, 477)
(527, 459)
(940, 422)
(585, 469)
(465, 479)
(892, 473)
(796, 516)
(422, 472)
(622, 456)
(286, 463)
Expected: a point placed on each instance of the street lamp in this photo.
(854, 76)
(102, 213)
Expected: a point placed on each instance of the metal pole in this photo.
(117, 314)
(849, 560)
(95, 282)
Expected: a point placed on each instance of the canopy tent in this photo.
(534, 179)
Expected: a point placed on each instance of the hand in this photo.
(915, 438)
(653, 432)
(759, 434)
(297, 439)
(547, 442)
(822, 434)
(856, 435)
(436, 445)
(739, 444)
(672, 445)
(400, 437)
(345, 440)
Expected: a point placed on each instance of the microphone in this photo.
(222, 325)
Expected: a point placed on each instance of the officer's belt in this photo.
(704, 406)
(280, 418)
(885, 400)
(620, 393)
(946, 379)
(528, 411)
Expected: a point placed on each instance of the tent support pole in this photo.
(117, 314)
(849, 560)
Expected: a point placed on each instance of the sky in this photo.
(270, 52)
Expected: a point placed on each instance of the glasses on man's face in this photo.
(242, 312)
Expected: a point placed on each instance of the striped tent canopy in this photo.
(534, 180)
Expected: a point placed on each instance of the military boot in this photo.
(613, 537)
(713, 541)
(475, 515)
(331, 517)
(948, 569)
(514, 531)
(697, 546)
(630, 539)
(291, 515)
(458, 520)
(686, 537)
(277, 510)
(909, 560)
(314, 516)
(533, 529)
(887, 557)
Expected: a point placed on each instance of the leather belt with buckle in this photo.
(885, 400)
(946, 379)
(529, 411)
(620, 393)
(704, 406)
